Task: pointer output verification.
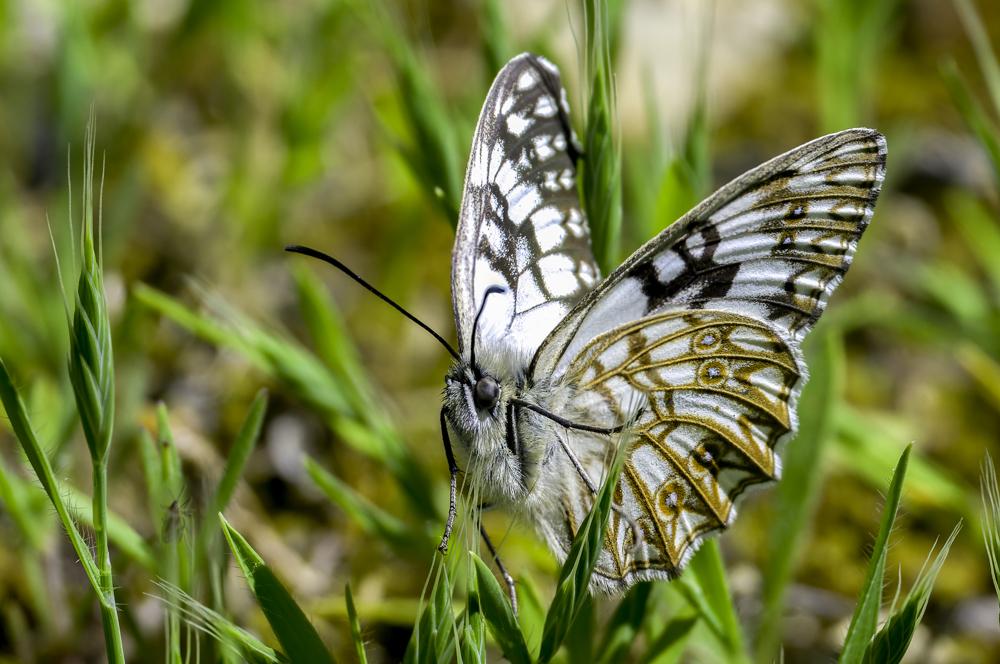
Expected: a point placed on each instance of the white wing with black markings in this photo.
(697, 338)
(520, 225)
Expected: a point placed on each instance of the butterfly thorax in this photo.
(478, 406)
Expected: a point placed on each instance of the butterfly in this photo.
(689, 352)
(694, 340)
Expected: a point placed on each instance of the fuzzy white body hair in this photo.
(503, 477)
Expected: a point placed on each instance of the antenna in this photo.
(326, 258)
(475, 325)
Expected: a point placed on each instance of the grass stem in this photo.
(109, 608)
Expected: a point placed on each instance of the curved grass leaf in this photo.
(239, 454)
(669, 644)
(580, 640)
(433, 154)
(601, 165)
(531, 612)
(333, 393)
(795, 495)
(472, 645)
(625, 623)
(296, 634)
(991, 519)
(371, 518)
(499, 615)
(868, 441)
(973, 113)
(706, 577)
(234, 639)
(865, 618)
(120, 532)
(892, 641)
(433, 638)
(39, 461)
(574, 579)
(352, 616)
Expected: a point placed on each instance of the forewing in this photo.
(715, 394)
(521, 226)
(772, 244)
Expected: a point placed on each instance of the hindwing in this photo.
(716, 394)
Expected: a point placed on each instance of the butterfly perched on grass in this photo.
(689, 352)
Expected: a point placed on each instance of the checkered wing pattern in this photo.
(521, 226)
(714, 392)
(696, 338)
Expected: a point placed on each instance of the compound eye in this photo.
(486, 393)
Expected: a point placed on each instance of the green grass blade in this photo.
(990, 494)
(580, 641)
(849, 36)
(330, 337)
(334, 394)
(670, 642)
(397, 612)
(687, 177)
(352, 616)
(796, 494)
(149, 455)
(975, 116)
(433, 153)
(372, 519)
(708, 573)
(980, 229)
(625, 624)
(985, 56)
(25, 435)
(601, 170)
(496, 38)
(433, 639)
(867, 442)
(234, 639)
(472, 644)
(865, 619)
(572, 590)
(531, 612)
(171, 476)
(892, 641)
(296, 634)
(499, 615)
(239, 454)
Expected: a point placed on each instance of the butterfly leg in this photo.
(507, 578)
(453, 471)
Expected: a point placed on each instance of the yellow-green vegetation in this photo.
(211, 451)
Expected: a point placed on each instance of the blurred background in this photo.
(226, 130)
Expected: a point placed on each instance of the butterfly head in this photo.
(486, 393)
(477, 404)
(477, 382)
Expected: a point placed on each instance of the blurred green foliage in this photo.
(229, 129)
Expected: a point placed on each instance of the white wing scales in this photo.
(698, 331)
(521, 226)
(702, 325)
(772, 244)
(719, 391)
